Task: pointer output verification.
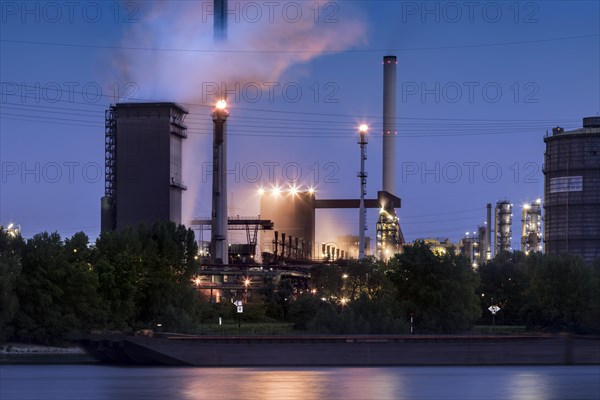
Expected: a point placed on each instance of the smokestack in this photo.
(220, 22)
(220, 250)
(389, 234)
(488, 232)
(362, 216)
(389, 124)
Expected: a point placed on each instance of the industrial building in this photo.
(143, 163)
(572, 190)
(531, 227)
(441, 247)
(503, 226)
(293, 215)
(350, 245)
(469, 246)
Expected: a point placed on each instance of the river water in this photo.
(91, 381)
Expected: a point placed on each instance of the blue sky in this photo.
(478, 87)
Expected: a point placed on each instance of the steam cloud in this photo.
(194, 58)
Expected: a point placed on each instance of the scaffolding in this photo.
(389, 236)
(503, 226)
(531, 234)
(110, 165)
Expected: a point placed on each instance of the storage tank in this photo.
(572, 190)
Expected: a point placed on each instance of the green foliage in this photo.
(504, 283)
(56, 289)
(277, 297)
(10, 271)
(140, 278)
(304, 309)
(439, 290)
(363, 315)
(130, 279)
(542, 291)
(564, 294)
(145, 277)
(356, 298)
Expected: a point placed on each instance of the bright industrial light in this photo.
(246, 282)
(345, 276)
(526, 206)
(261, 191)
(539, 201)
(311, 190)
(364, 128)
(276, 191)
(294, 190)
(221, 105)
(344, 301)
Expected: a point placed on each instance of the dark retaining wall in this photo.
(344, 350)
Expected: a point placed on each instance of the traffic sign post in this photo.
(240, 309)
(494, 309)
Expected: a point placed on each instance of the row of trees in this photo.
(136, 278)
(542, 291)
(127, 280)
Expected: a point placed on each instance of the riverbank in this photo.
(343, 350)
(34, 349)
(25, 353)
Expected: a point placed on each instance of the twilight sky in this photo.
(479, 84)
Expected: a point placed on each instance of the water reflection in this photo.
(529, 386)
(277, 384)
(66, 382)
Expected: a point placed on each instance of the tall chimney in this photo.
(389, 124)
(220, 22)
(488, 240)
(219, 248)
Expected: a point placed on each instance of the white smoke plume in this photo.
(185, 55)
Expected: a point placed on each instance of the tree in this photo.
(10, 271)
(40, 317)
(81, 300)
(116, 260)
(145, 277)
(504, 283)
(564, 294)
(440, 290)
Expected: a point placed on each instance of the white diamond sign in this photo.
(494, 309)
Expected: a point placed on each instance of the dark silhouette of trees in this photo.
(439, 290)
(140, 278)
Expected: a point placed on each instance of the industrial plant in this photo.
(143, 155)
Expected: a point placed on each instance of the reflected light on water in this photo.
(529, 386)
(266, 384)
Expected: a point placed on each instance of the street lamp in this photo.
(246, 285)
